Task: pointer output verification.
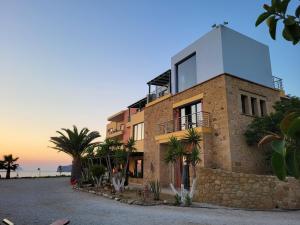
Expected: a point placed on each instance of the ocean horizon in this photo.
(33, 173)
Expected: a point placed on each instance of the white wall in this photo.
(223, 50)
(246, 58)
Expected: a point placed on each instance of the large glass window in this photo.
(138, 131)
(191, 116)
(186, 73)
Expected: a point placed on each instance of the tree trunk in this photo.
(76, 168)
(194, 172)
(8, 172)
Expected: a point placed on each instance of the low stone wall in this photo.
(133, 180)
(246, 190)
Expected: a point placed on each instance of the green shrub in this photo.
(188, 200)
(177, 201)
(98, 171)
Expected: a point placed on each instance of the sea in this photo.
(33, 173)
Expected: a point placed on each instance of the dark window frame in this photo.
(263, 107)
(244, 104)
(254, 108)
(176, 69)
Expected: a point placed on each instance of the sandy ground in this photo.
(41, 201)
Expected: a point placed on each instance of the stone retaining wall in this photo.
(246, 190)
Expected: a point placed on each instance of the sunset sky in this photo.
(78, 62)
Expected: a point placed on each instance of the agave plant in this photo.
(155, 189)
(286, 147)
(75, 143)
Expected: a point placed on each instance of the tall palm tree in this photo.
(175, 150)
(192, 141)
(8, 163)
(129, 148)
(75, 144)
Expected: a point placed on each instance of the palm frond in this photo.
(73, 142)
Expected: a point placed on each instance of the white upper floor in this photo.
(220, 51)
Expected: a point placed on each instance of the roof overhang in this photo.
(163, 79)
(117, 117)
(139, 104)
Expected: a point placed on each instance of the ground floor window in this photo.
(136, 168)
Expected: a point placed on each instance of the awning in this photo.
(161, 80)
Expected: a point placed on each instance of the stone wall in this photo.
(246, 190)
(215, 148)
(244, 158)
(225, 147)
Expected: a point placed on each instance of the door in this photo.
(178, 173)
(191, 116)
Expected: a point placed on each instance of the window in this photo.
(254, 106)
(186, 75)
(138, 131)
(122, 127)
(245, 106)
(190, 116)
(136, 168)
(263, 107)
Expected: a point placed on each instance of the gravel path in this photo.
(41, 201)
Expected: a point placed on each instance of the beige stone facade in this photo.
(223, 144)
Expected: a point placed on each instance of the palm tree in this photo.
(192, 141)
(75, 144)
(8, 163)
(175, 150)
(129, 147)
(188, 147)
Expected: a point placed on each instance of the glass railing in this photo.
(159, 92)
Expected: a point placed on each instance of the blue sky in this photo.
(77, 62)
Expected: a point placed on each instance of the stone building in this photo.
(216, 85)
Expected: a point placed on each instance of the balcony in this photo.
(277, 83)
(159, 86)
(114, 133)
(200, 119)
(159, 92)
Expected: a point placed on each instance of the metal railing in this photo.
(159, 92)
(199, 119)
(277, 83)
(113, 131)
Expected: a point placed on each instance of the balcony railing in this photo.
(199, 119)
(159, 92)
(277, 83)
(115, 132)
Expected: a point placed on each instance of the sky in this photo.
(78, 62)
